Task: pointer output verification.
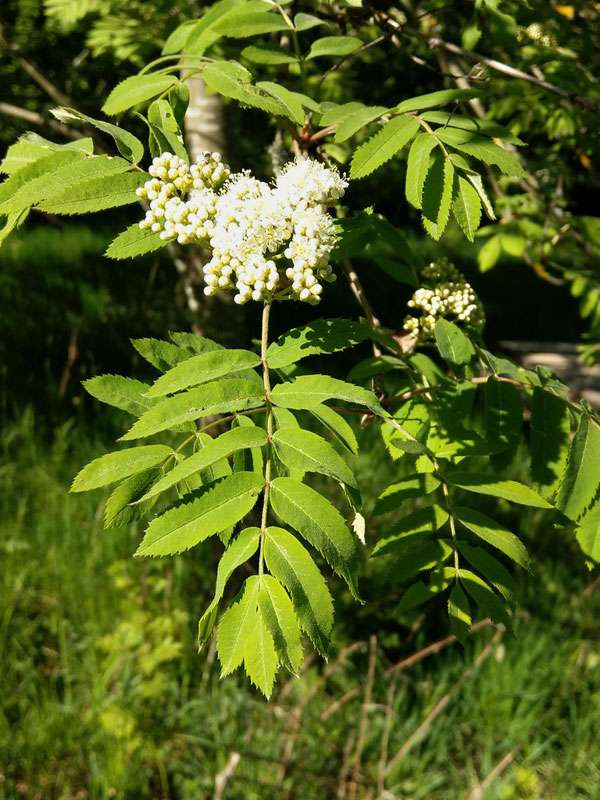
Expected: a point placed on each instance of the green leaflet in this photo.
(549, 441)
(383, 146)
(42, 169)
(304, 22)
(466, 207)
(588, 536)
(193, 342)
(320, 524)
(237, 625)
(373, 366)
(482, 126)
(303, 450)
(113, 467)
(278, 614)
(454, 346)
(222, 79)
(134, 241)
(417, 167)
(508, 490)
(267, 55)
(335, 423)
(162, 355)
(309, 391)
(96, 194)
(128, 145)
(393, 497)
(492, 569)
(241, 549)
(260, 657)
(416, 595)
(250, 459)
(219, 397)
(216, 449)
(483, 149)
(202, 369)
(459, 612)
(289, 561)
(13, 221)
(334, 46)
(241, 23)
(437, 195)
(32, 147)
(295, 103)
(121, 392)
(503, 414)
(433, 99)
(202, 34)
(581, 481)
(487, 600)
(320, 336)
(334, 114)
(408, 557)
(493, 533)
(66, 178)
(187, 524)
(136, 90)
(118, 511)
(414, 527)
(353, 122)
(165, 131)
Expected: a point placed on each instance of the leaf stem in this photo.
(264, 344)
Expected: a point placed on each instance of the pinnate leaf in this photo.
(304, 450)
(278, 613)
(214, 450)
(218, 397)
(319, 523)
(308, 391)
(320, 336)
(383, 146)
(289, 561)
(134, 241)
(581, 481)
(493, 533)
(419, 158)
(202, 369)
(189, 523)
(136, 90)
(113, 467)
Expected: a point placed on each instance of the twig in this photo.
(345, 768)
(364, 717)
(591, 588)
(512, 72)
(292, 728)
(34, 118)
(439, 707)
(385, 734)
(479, 790)
(357, 290)
(222, 777)
(432, 648)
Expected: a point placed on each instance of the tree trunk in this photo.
(204, 122)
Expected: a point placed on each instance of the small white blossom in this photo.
(265, 240)
(445, 294)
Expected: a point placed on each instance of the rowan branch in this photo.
(35, 118)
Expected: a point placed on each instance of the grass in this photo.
(103, 693)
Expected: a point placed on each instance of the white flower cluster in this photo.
(266, 240)
(445, 293)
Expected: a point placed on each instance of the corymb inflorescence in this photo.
(267, 241)
(444, 294)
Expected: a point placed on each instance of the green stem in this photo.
(264, 344)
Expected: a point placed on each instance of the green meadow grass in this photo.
(103, 693)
